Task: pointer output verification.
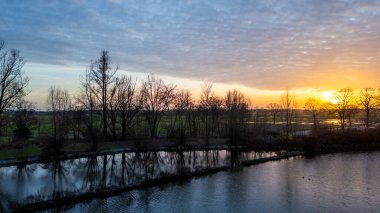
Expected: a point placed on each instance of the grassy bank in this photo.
(27, 149)
(321, 141)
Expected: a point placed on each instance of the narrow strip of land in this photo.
(76, 155)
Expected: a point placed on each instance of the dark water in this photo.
(26, 184)
(328, 183)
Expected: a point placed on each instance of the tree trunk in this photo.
(367, 119)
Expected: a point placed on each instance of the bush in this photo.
(22, 132)
(50, 146)
(336, 141)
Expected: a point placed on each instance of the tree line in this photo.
(111, 106)
(115, 107)
(345, 105)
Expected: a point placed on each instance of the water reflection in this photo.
(328, 183)
(37, 182)
(57, 178)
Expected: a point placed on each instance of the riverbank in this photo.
(322, 142)
(76, 155)
(319, 142)
(22, 150)
(33, 152)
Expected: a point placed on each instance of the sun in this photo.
(328, 97)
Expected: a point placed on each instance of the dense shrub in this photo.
(22, 132)
(349, 140)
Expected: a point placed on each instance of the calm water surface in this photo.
(30, 183)
(328, 183)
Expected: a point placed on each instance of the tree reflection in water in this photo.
(23, 175)
(36, 182)
(91, 174)
(57, 173)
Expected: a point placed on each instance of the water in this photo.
(26, 184)
(328, 183)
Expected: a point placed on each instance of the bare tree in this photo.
(236, 105)
(344, 99)
(127, 103)
(275, 109)
(102, 74)
(122, 101)
(313, 107)
(352, 110)
(59, 102)
(112, 110)
(367, 101)
(12, 80)
(24, 118)
(87, 100)
(289, 107)
(209, 108)
(205, 109)
(181, 114)
(156, 97)
(77, 118)
(216, 104)
(193, 119)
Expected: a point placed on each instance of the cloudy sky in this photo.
(261, 46)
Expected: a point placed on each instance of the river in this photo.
(347, 182)
(327, 183)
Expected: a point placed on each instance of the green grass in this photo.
(5, 140)
(34, 151)
(19, 153)
(80, 147)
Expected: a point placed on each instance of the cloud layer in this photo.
(261, 44)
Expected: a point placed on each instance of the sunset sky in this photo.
(259, 47)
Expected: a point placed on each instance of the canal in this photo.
(346, 182)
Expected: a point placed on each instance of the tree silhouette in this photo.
(12, 80)
(313, 106)
(180, 115)
(275, 109)
(127, 103)
(209, 107)
(24, 118)
(367, 101)
(344, 99)
(102, 75)
(156, 97)
(236, 105)
(288, 105)
(59, 102)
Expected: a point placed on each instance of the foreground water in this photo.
(328, 183)
(31, 183)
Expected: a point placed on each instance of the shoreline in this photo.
(76, 155)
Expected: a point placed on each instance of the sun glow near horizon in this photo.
(259, 97)
(328, 97)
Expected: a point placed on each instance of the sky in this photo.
(259, 47)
